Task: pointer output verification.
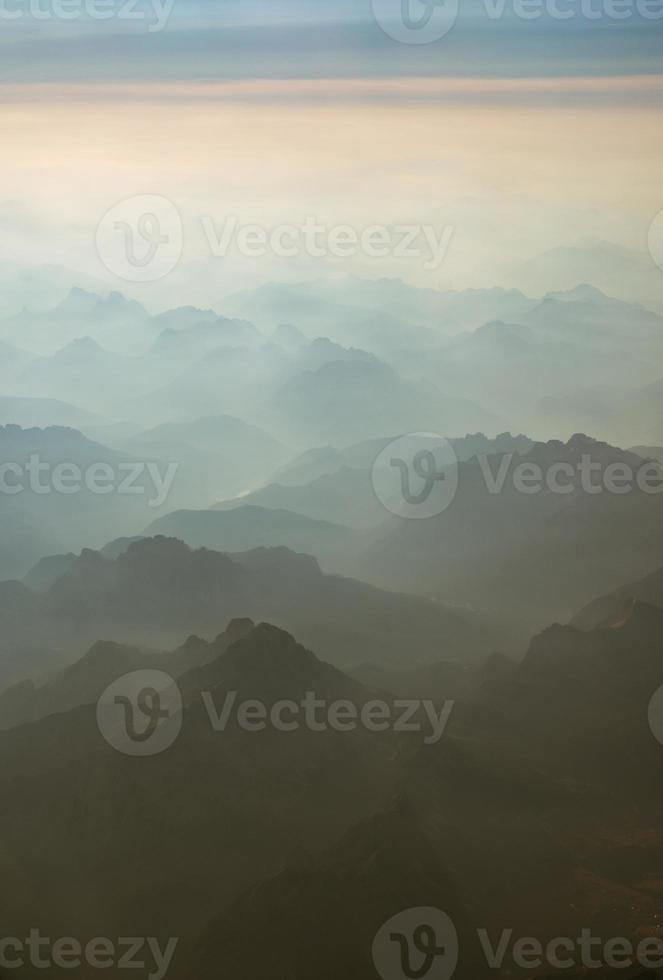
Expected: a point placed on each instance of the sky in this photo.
(527, 125)
(240, 39)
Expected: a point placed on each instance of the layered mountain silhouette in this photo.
(534, 555)
(314, 839)
(159, 591)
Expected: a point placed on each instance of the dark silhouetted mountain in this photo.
(86, 680)
(613, 609)
(320, 916)
(158, 591)
(547, 773)
(237, 799)
(535, 557)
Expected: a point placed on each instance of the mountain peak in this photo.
(78, 301)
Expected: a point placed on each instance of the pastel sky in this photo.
(522, 134)
(237, 39)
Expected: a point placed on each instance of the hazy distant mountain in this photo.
(611, 268)
(220, 455)
(648, 452)
(43, 519)
(329, 305)
(43, 412)
(345, 401)
(345, 496)
(336, 485)
(183, 317)
(48, 570)
(227, 380)
(12, 362)
(112, 320)
(555, 349)
(241, 528)
(193, 342)
(84, 367)
(535, 557)
(314, 463)
(289, 336)
(627, 415)
(589, 317)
